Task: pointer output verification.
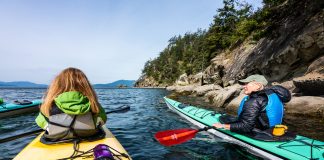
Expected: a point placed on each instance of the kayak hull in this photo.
(268, 150)
(10, 109)
(38, 151)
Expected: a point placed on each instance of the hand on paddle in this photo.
(220, 125)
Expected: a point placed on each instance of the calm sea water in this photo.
(134, 129)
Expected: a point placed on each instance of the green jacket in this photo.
(73, 103)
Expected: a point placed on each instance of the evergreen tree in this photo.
(192, 52)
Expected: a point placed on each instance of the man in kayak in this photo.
(70, 107)
(261, 108)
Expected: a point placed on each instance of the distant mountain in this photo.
(117, 84)
(21, 84)
(26, 84)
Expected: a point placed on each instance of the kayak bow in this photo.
(38, 151)
(10, 109)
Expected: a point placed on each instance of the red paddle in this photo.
(178, 136)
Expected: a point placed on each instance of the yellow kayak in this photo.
(39, 151)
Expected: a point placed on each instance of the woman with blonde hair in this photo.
(70, 107)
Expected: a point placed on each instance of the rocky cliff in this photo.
(291, 55)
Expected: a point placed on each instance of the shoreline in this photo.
(229, 99)
(151, 87)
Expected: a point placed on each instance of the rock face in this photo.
(317, 66)
(182, 89)
(285, 55)
(310, 84)
(213, 74)
(224, 96)
(306, 105)
(145, 81)
(202, 90)
(313, 82)
(292, 56)
(182, 80)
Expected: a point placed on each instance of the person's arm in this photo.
(102, 114)
(41, 121)
(248, 117)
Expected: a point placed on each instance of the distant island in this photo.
(21, 84)
(27, 84)
(117, 84)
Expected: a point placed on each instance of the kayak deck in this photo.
(299, 148)
(39, 151)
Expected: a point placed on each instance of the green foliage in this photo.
(184, 54)
(271, 3)
(192, 52)
(230, 25)
(245, 27)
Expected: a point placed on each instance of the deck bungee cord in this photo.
(304, 143)
(3, 106)
(197, 111)
(100, 151)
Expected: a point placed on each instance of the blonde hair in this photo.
(70, 79)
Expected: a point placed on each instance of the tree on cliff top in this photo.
(192, 52)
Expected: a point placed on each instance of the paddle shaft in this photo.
(206, 128)
(120, 109)
(20, 135)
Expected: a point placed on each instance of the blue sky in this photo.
(107, 39)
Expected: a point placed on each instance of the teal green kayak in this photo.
(298, 148)
(19, 107)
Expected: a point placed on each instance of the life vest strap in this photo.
(100, 134)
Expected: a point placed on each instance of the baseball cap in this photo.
(256, 78)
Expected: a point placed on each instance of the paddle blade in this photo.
(174, 137)
(121, 109)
